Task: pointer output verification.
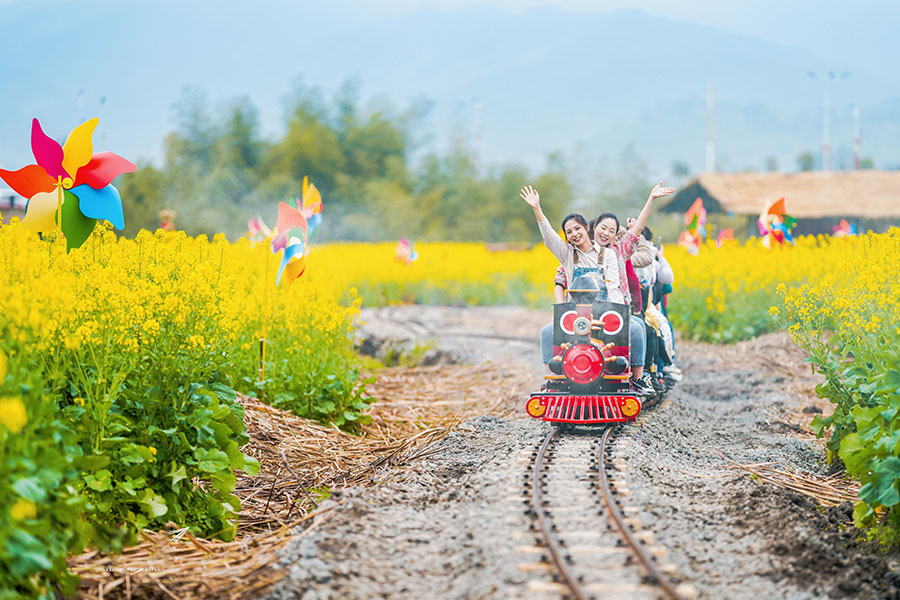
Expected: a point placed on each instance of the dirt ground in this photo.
(452, 525)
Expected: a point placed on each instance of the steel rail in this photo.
(616, 515)
(537, 500)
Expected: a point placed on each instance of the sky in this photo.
(59, 63)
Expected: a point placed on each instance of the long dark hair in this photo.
(607, 215)
(579, 218)
(581, 221)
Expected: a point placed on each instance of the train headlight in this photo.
(630, 407)
(581, 326)
(583, 363)
(534, 408)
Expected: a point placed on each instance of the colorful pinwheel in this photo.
(695, 220)
(775, 224)
(257, 230)
(310, 206)
(845, 229)
(69, 187)
(724, 234)
(292, 235)
(405, 252)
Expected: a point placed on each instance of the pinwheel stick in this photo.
(262, 341)
(59, 199)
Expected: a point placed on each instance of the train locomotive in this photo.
(590, 369)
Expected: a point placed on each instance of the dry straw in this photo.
(827, 491)
(300, 461)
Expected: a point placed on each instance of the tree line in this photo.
(218, 171)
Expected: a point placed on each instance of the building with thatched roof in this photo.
(869, 199)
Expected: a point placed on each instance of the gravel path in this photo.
(454, 525)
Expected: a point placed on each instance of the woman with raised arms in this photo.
(606, 230)
(578, 254)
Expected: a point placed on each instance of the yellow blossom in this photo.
(23, 509)
(12, 413)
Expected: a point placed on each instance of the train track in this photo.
(591, 540)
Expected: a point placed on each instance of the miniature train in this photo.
(590, 369)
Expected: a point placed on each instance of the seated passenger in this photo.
(577, 255)
(606, 229)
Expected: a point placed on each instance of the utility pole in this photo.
(710, 128)
(856, 138)
(826, 124)
(826, 115)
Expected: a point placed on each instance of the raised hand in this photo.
(530, 196)
(659, 191)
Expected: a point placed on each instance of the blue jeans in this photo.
(637, 338)
(636, 334)
(547, 343)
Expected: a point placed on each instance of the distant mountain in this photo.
(515, 86)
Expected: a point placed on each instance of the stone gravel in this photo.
(452, 525)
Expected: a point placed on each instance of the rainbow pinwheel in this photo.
(695, 221)
(310, 206)
(775, 224)
(405, 252)
(845, 229)
(724, 234)
(69, 187)
(291, 236)
(257, 230)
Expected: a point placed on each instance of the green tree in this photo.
(805, 161)
(143, 197)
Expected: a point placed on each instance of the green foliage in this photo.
(849, 331)
(40, 509)
(746, 316)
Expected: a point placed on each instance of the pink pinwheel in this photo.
(724, 235)
(292, 235)
(405, 252)
(257, 230)
(69, 187)
(775, 224)
(695, 220)
(845, 229)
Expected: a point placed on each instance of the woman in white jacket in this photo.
(577, 255)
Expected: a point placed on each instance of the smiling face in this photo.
(576, 234)
(605, 231)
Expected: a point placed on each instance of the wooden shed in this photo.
(869, 199)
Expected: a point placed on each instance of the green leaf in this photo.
(854, 454)
(251, 465)
(177, 475)
(211, 460)
(885, 479)
(862, 514)
(30, 488)
(223, 482)
(223, 391)
(153, 504)
(100, 481)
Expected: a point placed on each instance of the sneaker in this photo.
(672, 370)
(670, 381)
(657, 384)
(674, 376)
(642, 387)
